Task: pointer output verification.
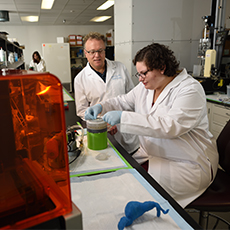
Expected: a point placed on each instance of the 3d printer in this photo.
(34, 172)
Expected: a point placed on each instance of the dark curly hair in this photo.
(158, 56)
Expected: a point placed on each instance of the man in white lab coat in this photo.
(102, 79)
(167, 109)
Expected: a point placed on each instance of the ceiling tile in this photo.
(84, 10)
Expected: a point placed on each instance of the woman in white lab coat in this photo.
(37, 63)
(167, 109)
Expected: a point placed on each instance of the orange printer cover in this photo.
(34, 171)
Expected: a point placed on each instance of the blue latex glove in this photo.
(135, 209)
(112, 117)
(92, 112)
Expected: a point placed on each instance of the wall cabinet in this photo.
(218, 115)
(14, 50)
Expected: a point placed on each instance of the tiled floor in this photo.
(212, 220)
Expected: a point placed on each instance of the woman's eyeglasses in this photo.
(143, 75)
(93, 52)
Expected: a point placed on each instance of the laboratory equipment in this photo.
(221, 38)
(196, 70)
(214, 38)
(210, 61)
(204, 45)
(74, 142)
(34, 172)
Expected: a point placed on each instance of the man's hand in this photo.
(92, 112)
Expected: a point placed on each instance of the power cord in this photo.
(77, 154)
(73, 149)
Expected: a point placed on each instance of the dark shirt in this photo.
(102, 75)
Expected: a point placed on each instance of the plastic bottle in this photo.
(1, 55)
(15, 57)
(4, 58)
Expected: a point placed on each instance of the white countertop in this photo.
(219, 98)
(103, 197)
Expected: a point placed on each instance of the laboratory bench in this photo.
(218, 109)
(102, 190)
(218, 104)
(212, 85)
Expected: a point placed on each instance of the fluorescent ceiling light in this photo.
(47, 4)
(100, 18)
(29, 18)
(106, 5)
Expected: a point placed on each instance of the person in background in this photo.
(37, 63)
(167, 109)
(102, 79)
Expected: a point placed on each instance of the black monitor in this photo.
(109, 52)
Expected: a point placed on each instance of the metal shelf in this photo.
(11, 47)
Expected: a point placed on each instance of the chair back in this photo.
(223, 147)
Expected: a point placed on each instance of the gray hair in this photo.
(93, 35)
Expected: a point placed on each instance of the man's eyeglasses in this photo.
(93, 52)
(143, 75)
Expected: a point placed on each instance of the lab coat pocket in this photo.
(185, 177)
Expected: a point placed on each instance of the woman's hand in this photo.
(112, 129)
(112, 117)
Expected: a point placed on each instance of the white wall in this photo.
(123, 32)
(175, 23)
(227, 14)
(33, 36)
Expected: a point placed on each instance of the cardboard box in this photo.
(60, 40)
(73, 42)
(109, 38)
(72, 37)
(79, 40)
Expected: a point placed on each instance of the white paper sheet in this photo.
(102, 199)
(92, 161)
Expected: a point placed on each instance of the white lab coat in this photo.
(40, 67)
(90, 89)
(173, 133)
